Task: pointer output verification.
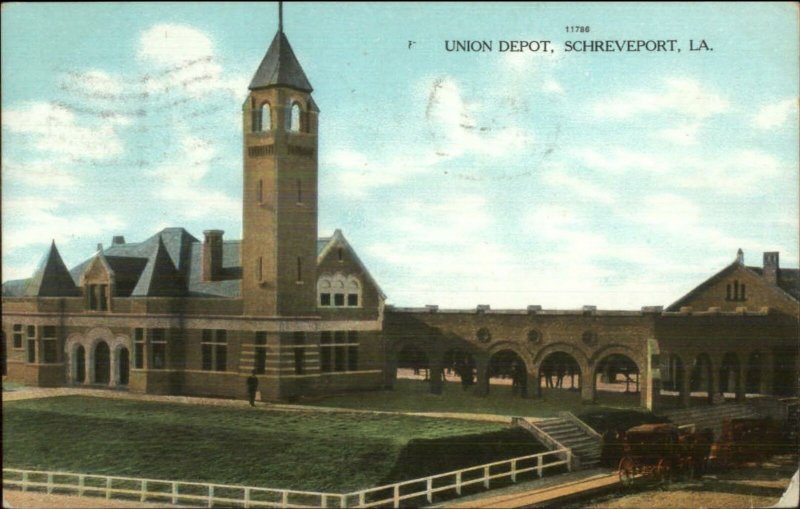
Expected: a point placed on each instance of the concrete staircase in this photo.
(711, 416)
(572, 433)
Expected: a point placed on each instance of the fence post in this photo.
(284, 498)
(342, 500)
(362, 499)
(569, 460)
(80, 485)
(108, 487)
(323, 502)
(429, 490)
(24, 481)
(247, 498)
(210, 495)
(513, 470)
(174, 493)
(458, 482)
(396, 496)
(49, 482)
(486, 477)
(143, 494)
(539, 465)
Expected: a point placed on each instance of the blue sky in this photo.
(560, 179)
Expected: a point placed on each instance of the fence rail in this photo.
(227, 495)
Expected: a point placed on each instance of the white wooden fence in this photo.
(226, 495)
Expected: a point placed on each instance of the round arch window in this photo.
(534, 337)
(483, 335)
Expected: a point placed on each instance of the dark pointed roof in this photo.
(159, 278)
(280, 68)
(51, 278)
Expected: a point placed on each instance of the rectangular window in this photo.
(299, 191)
(299, 269)
(352, 350)
(325, 352)
(103, 297)
(92, 297)
(340, 353)
(256, 120)
(31, 351)
(49, 344)
(31, 331)
(261, 353)
(260, 191)
(18, 335)
(138, 346)
(259, 268)
(158, 347)
(214, 350)
(338, 299)
(299, 339)
(352, 299)
(324, 299)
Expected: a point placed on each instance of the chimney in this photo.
(771, 267)
(117, 239)
(212, 255)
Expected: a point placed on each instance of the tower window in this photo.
(294, 118)
(260, 191)
(261, 120)
(299, 191)
(299, 269)
(259, 269)
(738, 293)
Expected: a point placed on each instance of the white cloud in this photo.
(679, 95)
(777, 114)
(39, 173)
(552, 86)
(740, 172)
(186, 62)
(684, 134)
(32, 221)
(618, 160)
(95, 83)
(54, 128)
(581, 188)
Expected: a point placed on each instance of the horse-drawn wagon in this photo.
(659, 452)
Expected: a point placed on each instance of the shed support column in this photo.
(436, 376)
(482, 383)
(587, 386)
(685, 389)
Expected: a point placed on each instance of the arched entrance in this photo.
(124, 366)
(729, 378)
(700, 382)
(507, 369)
(755, 363)
(102, 363)
(616, 380)
(80, 364)
(459, 367)
(413, 362)
(559, 377)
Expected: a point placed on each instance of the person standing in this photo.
(252, 387)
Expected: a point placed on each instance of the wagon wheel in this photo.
(627, 471)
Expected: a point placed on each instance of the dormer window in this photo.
(98, 297)
(736, 291)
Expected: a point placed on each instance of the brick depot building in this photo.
(175, 314)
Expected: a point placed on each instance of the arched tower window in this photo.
(266, 117)
(294, 119)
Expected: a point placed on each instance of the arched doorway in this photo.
(102, 363)
(616, 380)
(700, 381)
(729, 377)
(752, 384)
(559, 377)
(80, 364)
(459, 367)
(124, 366)
(413, 363)
(508, 370)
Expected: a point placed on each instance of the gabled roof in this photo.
(325, 244)
(159, 278)
(51, 278)
(737, 264)
(280, 68)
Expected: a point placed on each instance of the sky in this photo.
(555, 178)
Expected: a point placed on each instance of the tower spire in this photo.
(280, 17)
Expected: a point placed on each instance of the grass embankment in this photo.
(299, 450)
(414, 396)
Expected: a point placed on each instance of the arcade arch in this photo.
(616, 377)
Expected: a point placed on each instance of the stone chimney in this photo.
(117, 239)
(212, 255)
(771, 267)
(740, 257)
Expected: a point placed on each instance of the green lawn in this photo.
(414, 396)
(282, 449)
